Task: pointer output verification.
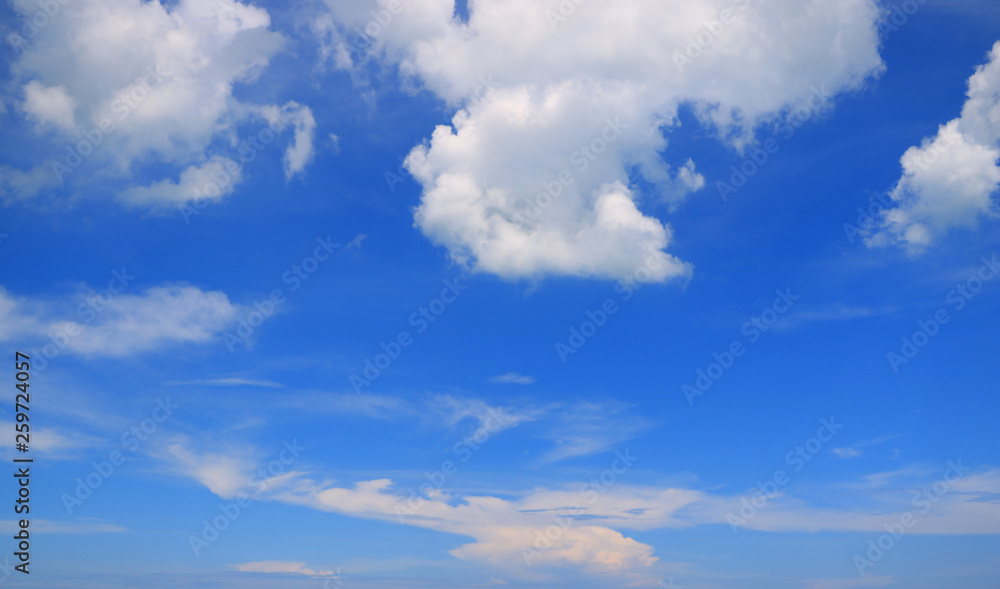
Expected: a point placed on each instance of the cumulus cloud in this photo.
(49, 105)
(558, 125)
(157, 317)
(132, 83)
(950, 180)
(213, 180)
(118, 325)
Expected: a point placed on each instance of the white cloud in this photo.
(588, 428)
(224, 473)
(512, 378)
(157, 317)
(57, 445)
(119, 325)
(490, 420)
(949, 181)
(151, 83)
(847, 452)
(231, 382)
(86, 526)
(280, 567)
(301, 151)
(593, 96)
(50, 105)
(592, 519)
(213, 180)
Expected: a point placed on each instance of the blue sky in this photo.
(480, 297)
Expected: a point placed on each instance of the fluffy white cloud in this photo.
(950, 180)
(562, 108)
(118, 325)
(213, 180)
(49, 105)
(301, 151)
(152, 82)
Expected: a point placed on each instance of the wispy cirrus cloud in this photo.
(229, 382)
(512, 378)
(280, 567)
(595, 536)
(106, 325)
